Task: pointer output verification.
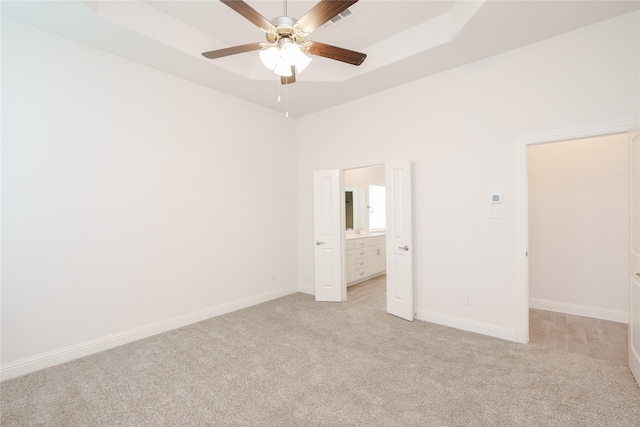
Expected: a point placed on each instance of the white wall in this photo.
(579, 226)
(363, 177)
(459, 129)
(132, 201)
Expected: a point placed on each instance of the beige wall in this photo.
(579, 226)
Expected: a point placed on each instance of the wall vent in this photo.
(338, 18)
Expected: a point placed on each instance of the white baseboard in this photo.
(468, 325)
(580, 310)
(56, 357)
(309, 290)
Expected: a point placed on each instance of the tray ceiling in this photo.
(404, 40)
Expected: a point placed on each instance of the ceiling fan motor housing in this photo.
(285, 28)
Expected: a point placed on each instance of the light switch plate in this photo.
(495, 212)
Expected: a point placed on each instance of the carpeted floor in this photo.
(296, 362)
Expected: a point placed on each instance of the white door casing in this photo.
(399, 239)
(328, 235)
(634, 257)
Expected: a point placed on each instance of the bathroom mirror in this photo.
(354, 207)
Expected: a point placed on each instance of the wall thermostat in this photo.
(496, 198)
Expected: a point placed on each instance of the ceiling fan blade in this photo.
(291, 79)
(250, 13)
(337, 53)
(232, 50)
(321, 13)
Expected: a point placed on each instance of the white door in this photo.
(399, 240)
(327, 234)
(634, 260)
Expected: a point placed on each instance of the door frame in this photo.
(522, 203)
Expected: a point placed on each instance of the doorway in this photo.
(578, 244)
(396, 249)
(524, 292)
(365, 235)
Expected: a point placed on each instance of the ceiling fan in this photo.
(284, 51)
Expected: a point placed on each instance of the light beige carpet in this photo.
(296, 362)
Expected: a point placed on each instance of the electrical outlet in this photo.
(273, 277)
(467, 298)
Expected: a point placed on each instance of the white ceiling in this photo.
(403, 40)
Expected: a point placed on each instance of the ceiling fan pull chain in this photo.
(279, 92)
(286, 101)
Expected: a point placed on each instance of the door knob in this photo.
(404, 248)
(319, 243)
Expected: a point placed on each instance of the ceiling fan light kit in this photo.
(282, 55)
(284, 52)
(270, 57)
(292, 54)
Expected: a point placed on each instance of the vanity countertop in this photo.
(352, 236)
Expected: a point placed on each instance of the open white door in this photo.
(634, 260)
(399, 240)
(327, 234)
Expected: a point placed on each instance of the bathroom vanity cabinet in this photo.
(365, 258)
